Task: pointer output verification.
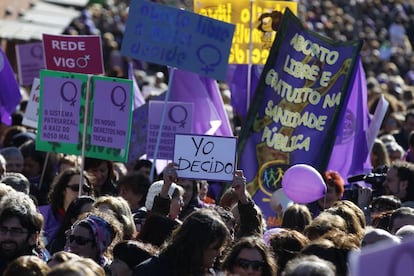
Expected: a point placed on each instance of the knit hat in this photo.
(155, 190)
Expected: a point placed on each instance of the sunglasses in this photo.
(79, 240)
(75, 188)
(245, 264)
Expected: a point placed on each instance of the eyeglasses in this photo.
(245, 264)
(79, 240)
(75, 188)
(14, 231)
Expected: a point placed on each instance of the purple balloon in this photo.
(303, 184)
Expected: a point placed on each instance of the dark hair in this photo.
(157, 229)
(287, 245)
(251, 242)
(136, 183)
(133, 252)
(405, 172)
(57, 191)
(108, 187)
(144, 163)
(199, 230)
(296, 217)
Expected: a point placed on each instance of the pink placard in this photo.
(69, 53)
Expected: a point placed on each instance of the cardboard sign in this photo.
(263, 15)
(29, 61)
(205, 157)
(179, 119)
(69, 53)
(178, 38)
(31, 114)
(112, 113)
(62, 108)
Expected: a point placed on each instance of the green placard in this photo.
(61, 114)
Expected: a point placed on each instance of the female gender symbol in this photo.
(173, 118)
(63, 90)
(120, 104)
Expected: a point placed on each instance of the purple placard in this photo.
(179, 119)
(29, 61)
(111, 113)
(60, 109)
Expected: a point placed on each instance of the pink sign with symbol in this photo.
(68, 53)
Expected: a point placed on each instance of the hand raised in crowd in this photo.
(239, 186)
(364, 197)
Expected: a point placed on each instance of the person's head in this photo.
(133, 187)
(12, 134)
(353, 216)
(379, 154)
(324, 223)
(33, 160)
(191, 188)
(27, 265)
(406, 232)
(296, 217)
(61, 257)
(20, 226)
(154, 190)
(14, 159)
(384, 203)
(93, 235)
(195, 245)
(143, 166)
(286, 245)
(119, 206)
(17, 181)
(400, 217)
(3, 165)
(228, 199)
(77, 267)
(128, 254)
(335, 188)
(409, 121)
(399, 180)
(177, 202)
(309, 265)
(67, 161)
(375, 235)
(250, 256)
(65, 188)
(103, 172)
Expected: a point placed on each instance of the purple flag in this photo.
(138, 97)
(350, 151)
(236, 78)
(210, 116)
(9, 90)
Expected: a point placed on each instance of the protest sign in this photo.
(205, 157)
(256, 25)
(178, 38)
(294, 113)
(112, 112)
(73, 53)
(31, 114)
(383, 259)
(62, 114)
(29, 61)
(179, 120)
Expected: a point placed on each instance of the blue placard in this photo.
(178, 38)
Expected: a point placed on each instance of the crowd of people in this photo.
(112, 219)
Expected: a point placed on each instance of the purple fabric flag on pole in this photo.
(9, 90)
(138, 97)
(210, 117)
(350, 151)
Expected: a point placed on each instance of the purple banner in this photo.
(29, 61)
(60, 111)
(294, 113)
(111, 113)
